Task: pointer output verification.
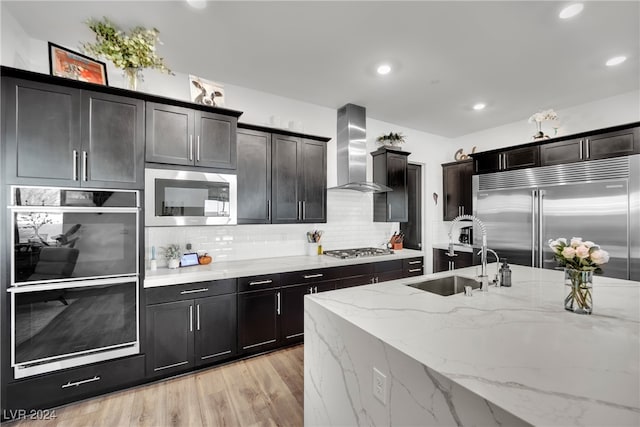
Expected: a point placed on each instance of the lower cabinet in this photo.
(258, 313)
(292, 308)
(413, 266)
(72, 384)
(185, 334)
(443, 262)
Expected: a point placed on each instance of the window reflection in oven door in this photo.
(55, 326)
(62, 244)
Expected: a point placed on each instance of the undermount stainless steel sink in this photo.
(446, 286)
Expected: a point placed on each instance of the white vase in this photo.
(173, 263)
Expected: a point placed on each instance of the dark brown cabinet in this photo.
(292, 308)
(254, 177)
(183, 332)
(299, 180)
(413, 266)
(516, 158)
(258, 318)
(456, 188)
(72, 137)
(390, 169)
(184, 136)
(593, 147)
(443, 262)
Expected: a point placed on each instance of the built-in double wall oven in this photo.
(74, 277)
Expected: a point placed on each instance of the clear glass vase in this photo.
(579, 291)
(132, 78)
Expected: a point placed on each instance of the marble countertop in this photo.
(515, 347)
(254, 267)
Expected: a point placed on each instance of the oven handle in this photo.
(66, 285)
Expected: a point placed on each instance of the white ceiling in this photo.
(515, 56)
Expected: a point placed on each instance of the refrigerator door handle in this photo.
(534, 197)
(540, 227)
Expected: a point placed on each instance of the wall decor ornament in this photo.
(540, 117)
(206, 92)
(76, 66)
(132, 52)
(460, 154)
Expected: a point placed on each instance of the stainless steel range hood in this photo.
(352, 151)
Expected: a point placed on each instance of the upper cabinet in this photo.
(67, 136)
(600, 146)
(282, 177)
(616, 141)
(508, 159)
(456, 189)
(184, 136)
(390, 169)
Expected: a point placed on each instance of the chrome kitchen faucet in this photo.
(484, 280)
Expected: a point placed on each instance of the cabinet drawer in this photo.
(171, 293)
(74, 384)
(254, 283)
(366, 279)
(354, 270)
(381, 267)
(309, 276)
(413, 266)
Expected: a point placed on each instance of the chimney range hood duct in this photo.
(352, 151)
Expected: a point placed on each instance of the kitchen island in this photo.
(510, 356)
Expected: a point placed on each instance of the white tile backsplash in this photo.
(349, 225)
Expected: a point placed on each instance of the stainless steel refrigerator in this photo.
(597, 200)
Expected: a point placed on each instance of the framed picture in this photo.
(206, 92)
(76, 66)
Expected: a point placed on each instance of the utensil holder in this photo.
(312, 249)
(396, 246)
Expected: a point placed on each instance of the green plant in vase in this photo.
(132, 52)
(172, 253)
(392, 139)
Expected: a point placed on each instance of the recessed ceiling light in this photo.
(571, 11)
(479, 106)
(384, 69)
(616, 60)
(197, 4)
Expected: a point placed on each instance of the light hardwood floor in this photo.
(265, 390)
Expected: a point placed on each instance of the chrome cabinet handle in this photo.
(278, 308)
(461, 210)
(311, 276)
(75, 165)
(198, 317)
(269, 210)
(77, 383)
(260, 282)
(587, 142)
(299, 209)
(191, 318)
(190, 147)
(389, 211)
(415, 262)
(413, 270)
(304, 205)
(581, 142)
(198, 148)
(194, 291)
(85, 162)
(315, 288)
(310, 289)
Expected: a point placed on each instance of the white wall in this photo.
(616, 110)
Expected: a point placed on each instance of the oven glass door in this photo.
(61, 244)
(51, 323)
(192, 198)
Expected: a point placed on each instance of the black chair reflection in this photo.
(55, 263)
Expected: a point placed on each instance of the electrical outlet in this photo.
(380, 386)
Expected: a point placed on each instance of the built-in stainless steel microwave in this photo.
(174, 197)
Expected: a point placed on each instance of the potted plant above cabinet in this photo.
(390, 169)
(282, 176)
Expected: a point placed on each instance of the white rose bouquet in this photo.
(541, 116)
(579, 255)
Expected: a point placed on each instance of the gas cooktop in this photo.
(358, 252)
